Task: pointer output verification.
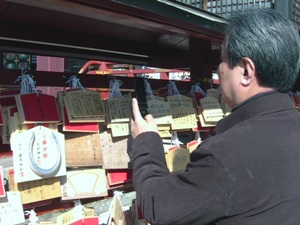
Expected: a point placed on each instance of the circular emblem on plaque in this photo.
(44, 153)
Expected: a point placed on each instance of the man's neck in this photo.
(253, 97)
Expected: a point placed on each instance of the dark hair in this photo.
(270, 41)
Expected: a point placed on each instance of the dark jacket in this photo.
(247, 174)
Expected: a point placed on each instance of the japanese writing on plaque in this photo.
(20, 165)
(114, 151)
(120, 129)
(160, 110)
(209, 103)
(85, 103)
(183, 118)
(213, 93)
(119, 108)
(180, 100)
(38, 190)
(11, 212)
(178, 159)
(211, 109)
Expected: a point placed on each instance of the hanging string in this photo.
(74, 82)
(27, 83)
(174, 139)
(172, 90)
(148, 88)
(198, 137)
(196, 88)
(119, 194)
(114, 88)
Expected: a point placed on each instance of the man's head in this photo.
(261, 51)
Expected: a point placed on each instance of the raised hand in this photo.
(139, 124)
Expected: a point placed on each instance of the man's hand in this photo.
(139, 124)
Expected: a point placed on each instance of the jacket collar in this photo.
(255, 106)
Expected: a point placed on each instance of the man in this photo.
(249, 172)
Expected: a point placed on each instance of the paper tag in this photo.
(211, 109)
(116, 213)
(20, 128)
(38, 190)
(204, 123)
(178, 159)
(83, 149)
(209, 103)
(160, 110)
(180, 100)
(212, 115)
(183, 118)
(114, 151)
(214, 93)
(39, 153)
(84, 105)
(94, 180)
(192, 145)
(119, 109)
(120, 129)
(11, 212)
(164, 133)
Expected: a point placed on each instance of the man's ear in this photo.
(249, 71)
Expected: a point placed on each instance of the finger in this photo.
(131, 123)
(151, 123)
(133, 129)
(149, 118)
(135, 109)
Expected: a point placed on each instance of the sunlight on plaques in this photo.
(119, 113)
(114, 151)
(180, 100)
(211, 110)
(38, 190)
(119, 109)
(94, 180)
(183, 118)
(120, 129)
(84, 105)
(177, 159)
(183, 112)
(160, 110)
